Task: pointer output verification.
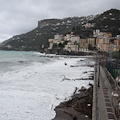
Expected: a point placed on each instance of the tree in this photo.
(73, 29)
(61, 45)
(55, 45)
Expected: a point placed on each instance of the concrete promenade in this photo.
(103, 102)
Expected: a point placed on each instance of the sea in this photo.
(32, 84)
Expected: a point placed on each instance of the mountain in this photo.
(46, 29)
(108, 21)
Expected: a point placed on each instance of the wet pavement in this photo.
(105, 103)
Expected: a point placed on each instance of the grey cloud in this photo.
(20, 16)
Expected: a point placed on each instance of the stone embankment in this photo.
(79, 107)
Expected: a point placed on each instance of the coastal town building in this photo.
(92, 41)
(51, 42)
(83, 44)
(73, 44)
(75, 39)
(58, 37)
(102, 41)
(70, 47)
(67, 37)
(88, 25)
(117, 45)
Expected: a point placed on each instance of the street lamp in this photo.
(99, 76)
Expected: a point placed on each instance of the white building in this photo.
(75, 39)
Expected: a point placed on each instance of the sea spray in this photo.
(32, 90)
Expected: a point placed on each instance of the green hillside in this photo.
(46, 29)
(109, 21)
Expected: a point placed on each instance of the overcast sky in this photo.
(21, 16)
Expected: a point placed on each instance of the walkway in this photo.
(102, 101)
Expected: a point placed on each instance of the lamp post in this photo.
(99, 75)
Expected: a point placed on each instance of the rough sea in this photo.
(32, 85)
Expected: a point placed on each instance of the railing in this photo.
(95, 110)
(113, 67)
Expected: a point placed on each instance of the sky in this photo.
(21, 16)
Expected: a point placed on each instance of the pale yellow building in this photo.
(83, 44)
(75, 39)
(51, 40)
(92, 41)
(71, 47)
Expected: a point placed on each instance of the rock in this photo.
(83, 88)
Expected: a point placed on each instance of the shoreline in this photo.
(79, 107)
(66, 56)
(55, 91)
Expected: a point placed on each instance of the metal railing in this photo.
(95, 110)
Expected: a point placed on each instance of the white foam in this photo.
(32, 92)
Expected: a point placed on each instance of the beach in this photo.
(32, 86)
